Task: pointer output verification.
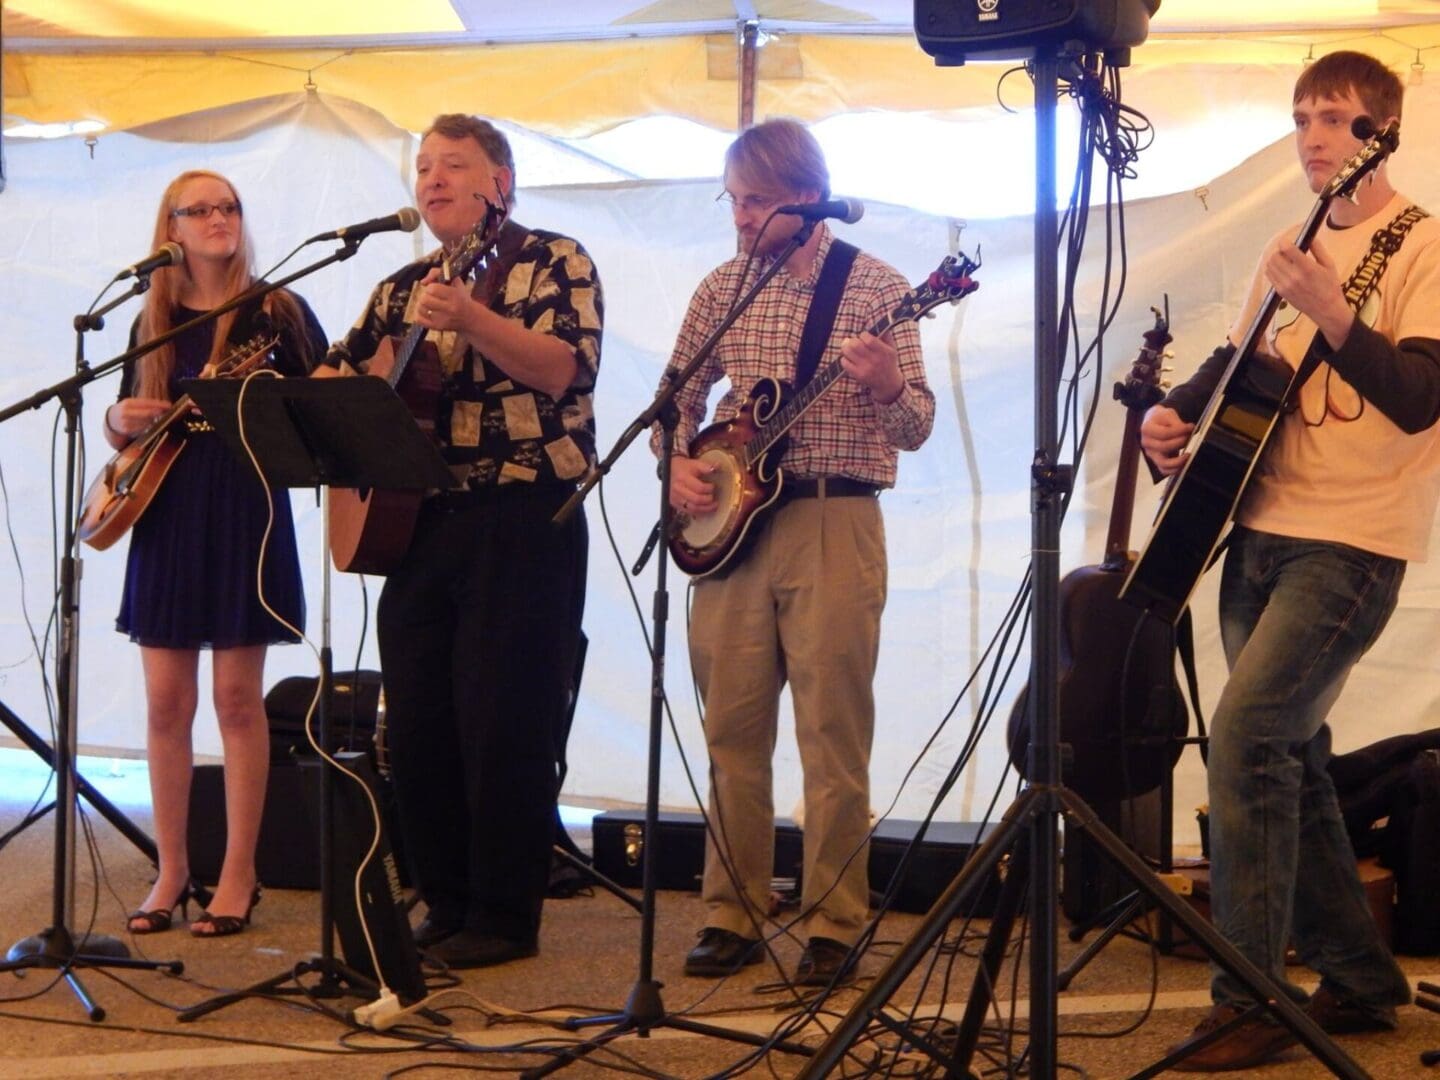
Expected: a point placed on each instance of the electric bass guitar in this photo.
(1120, 708)
(744, 452)
(1235, 428)
(371, 528)
(127, 484)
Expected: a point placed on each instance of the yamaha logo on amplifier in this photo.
(989, 10)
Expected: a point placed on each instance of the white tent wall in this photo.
(958, 524)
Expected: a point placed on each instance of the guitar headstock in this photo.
(948, 283)
(1366, 160)
(1141, 388)
(243, 358)
(478, 242)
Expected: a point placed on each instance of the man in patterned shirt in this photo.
(803, 604)
(479, 624)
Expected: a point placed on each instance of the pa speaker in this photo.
(954, 31)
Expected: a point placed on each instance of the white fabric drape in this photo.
(958, 524)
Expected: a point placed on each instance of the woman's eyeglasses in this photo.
(202, 211)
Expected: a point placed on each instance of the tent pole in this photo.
(749, 61)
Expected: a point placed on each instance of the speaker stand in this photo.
(1029, 831)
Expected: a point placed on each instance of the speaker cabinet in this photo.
(679, 850)
(288, 853)
(954, 31)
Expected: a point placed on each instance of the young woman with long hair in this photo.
(190, 580)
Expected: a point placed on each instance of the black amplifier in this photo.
(954, 31)
(620, 845)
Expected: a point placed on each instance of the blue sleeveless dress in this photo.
(190, 578)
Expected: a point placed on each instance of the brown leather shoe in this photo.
(1251, 1042)
(1344, 1016)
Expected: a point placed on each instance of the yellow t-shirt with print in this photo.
(1336, 469)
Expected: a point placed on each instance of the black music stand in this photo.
(352, 433)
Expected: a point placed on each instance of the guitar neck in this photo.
(479, 244)
(800, 403)
(1122, 504)
(1271, 303)
(1250, 344)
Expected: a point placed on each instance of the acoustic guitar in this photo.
(127, 484)
(744, 452)
(1120, 707)
(1233, 431)
(371, 528)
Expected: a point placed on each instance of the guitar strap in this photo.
(1185, 646)
(1363, 280)
(821, 320)
(1385, 243)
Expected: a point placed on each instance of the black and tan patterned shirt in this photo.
(846, 433)
(492, 429)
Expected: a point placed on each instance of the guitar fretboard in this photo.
(771, 432)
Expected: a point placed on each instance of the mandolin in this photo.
(744, 452)
(371, 528)
(1120, 707)
(127, 484)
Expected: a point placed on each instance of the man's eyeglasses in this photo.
(758, 204)
(202, 211)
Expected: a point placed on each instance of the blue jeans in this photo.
(1295, 616)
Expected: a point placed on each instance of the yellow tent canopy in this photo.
(574, 69)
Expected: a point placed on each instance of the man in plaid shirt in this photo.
(803, 605)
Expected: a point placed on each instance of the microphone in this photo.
(847, 210)
(406, 219)
(1364, 129)
(170, 254)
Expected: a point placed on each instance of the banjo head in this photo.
(701, 531)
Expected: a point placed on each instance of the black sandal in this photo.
(140, 921)
(159, 920)
(224, 925)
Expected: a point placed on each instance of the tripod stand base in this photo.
(55, 949)
(94, 946)
(1031, 818)
(333, 975)
(645, 1012)
(587, 869)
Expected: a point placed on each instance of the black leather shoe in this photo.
(474, 949)
(823, 962)
(431, 931)
(721, 952)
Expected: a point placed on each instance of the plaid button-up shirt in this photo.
(846, 433)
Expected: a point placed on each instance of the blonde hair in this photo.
(780, 153)
(158, 315)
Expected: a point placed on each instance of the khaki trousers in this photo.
(803, 607)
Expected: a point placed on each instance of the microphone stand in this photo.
(56, 947)
(644, 1010)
